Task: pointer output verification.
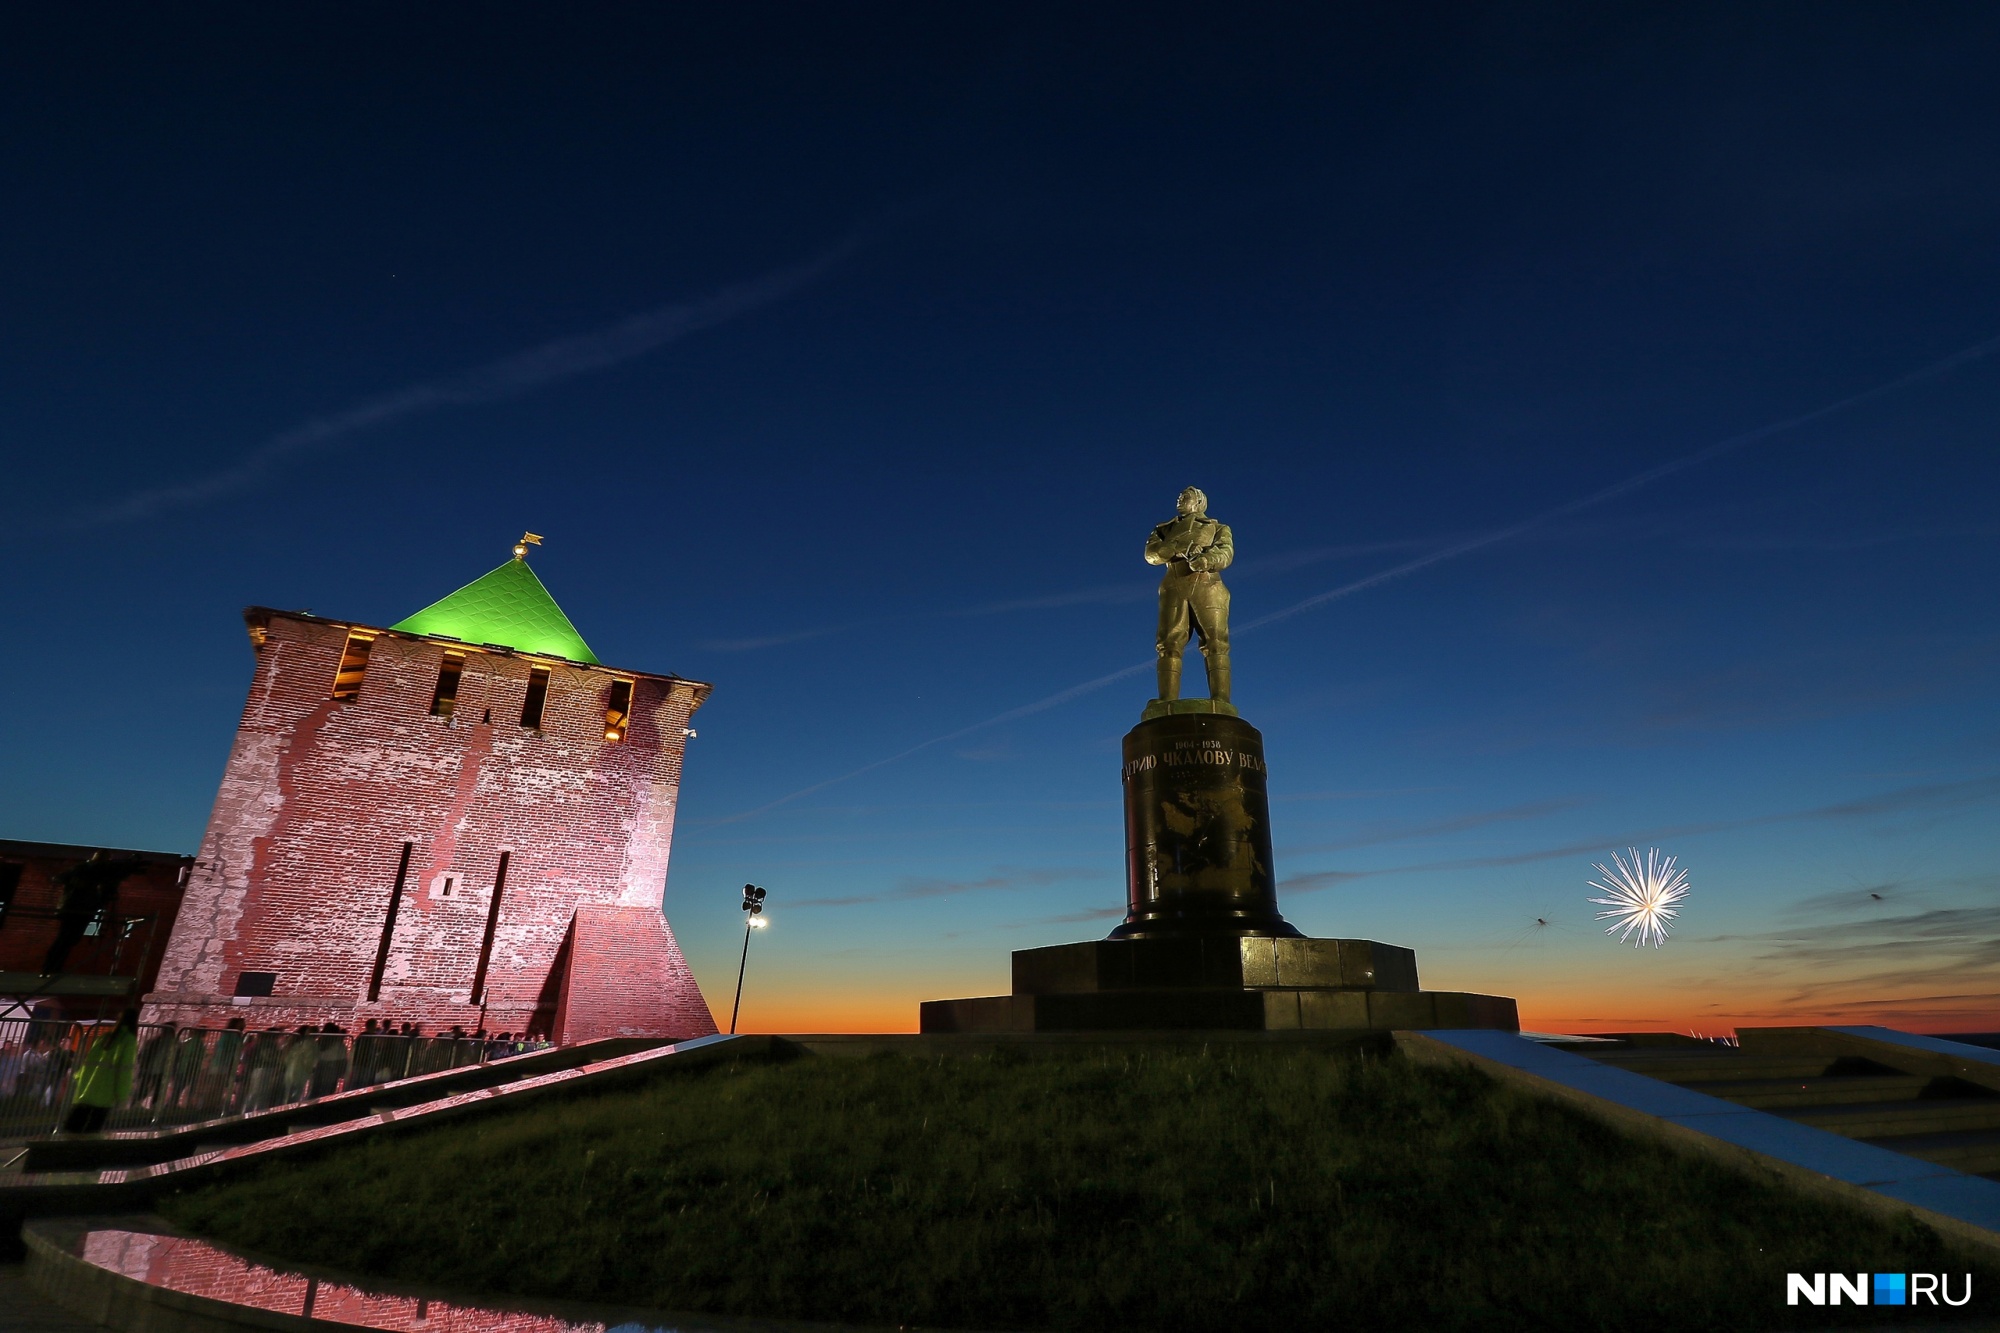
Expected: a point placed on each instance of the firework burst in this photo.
(1642, 896)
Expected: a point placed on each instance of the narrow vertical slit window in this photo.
(492, 925)
(445, 697)
(618, 712)
(353, 666)
(389, 924)
(10, 884)
(538, 698)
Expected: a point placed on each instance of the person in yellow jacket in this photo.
(105, 1080)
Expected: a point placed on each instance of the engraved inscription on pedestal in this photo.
(1197, 830)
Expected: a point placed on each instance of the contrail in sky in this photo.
(1930, 796)
(1636, 481)
(508, 377)
(1040, 705)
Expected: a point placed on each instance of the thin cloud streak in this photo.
(1456, 824)
(1025, 710)
(1635, 482)
(1111, 594)
(1104, 594)
(1931, 796)
(1066, 918)
(509, 377)
(769, 640)
(1286, 561)
(1873, 897)
(913, 890)
(1934, 370)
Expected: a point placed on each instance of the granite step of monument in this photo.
(1724, 1065)
(1976, 1152)
(1213, 961)
(1220, 1009)
(1767, 1094)
(1880, 1120)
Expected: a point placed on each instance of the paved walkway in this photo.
(25, 1310)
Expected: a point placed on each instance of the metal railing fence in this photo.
(184, 1075)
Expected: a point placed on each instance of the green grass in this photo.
(1165, 1190)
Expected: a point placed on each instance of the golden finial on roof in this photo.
(527, 539)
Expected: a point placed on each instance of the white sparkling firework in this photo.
(1642, 898)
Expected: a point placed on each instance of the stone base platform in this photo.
(1219, 983)
(1234, 961)
(1239, 1010)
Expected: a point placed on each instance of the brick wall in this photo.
(176, 1263)
(625, 977)
(296, 871)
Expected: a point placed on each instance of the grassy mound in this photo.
(1165, 1190)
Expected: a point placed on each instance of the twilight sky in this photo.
(845, 355)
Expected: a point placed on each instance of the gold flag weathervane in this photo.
(527, 539)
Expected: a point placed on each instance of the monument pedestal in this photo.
(1202, 944)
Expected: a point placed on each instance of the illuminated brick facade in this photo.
(292, 913)
(196, 1268)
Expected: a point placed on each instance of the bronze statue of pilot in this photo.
(1195, 549)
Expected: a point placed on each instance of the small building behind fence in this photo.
(93, 950)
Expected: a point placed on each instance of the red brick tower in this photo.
(462, 819)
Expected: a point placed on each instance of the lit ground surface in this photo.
(1166, 1190)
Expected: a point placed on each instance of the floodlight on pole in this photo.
(753, 910)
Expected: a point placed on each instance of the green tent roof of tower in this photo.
(508, 607)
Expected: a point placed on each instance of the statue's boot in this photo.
(1218, 678)
(1170, 678)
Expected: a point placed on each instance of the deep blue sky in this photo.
(845, 354)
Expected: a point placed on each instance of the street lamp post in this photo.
(753, 910)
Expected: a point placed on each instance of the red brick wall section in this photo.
(177, 1263)
(626, 978)
(295, 872)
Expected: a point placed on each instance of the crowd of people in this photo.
(86, 1071)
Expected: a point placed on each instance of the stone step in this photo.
(1976, 1152)
(1220, 1009)
(1766, 1094)
(1679, 1066)
(1903, 1119)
